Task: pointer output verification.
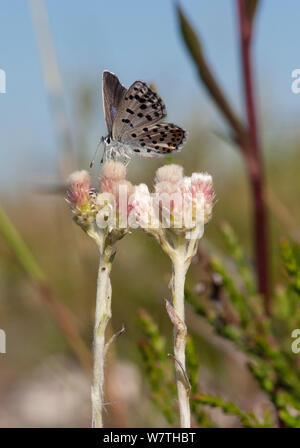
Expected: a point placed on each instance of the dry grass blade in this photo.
(251, 8)
(195, 49)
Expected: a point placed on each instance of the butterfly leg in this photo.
(127, 159)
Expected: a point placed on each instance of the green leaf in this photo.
(158, 368)
(291, 264)
(290, 420)
(247, 419)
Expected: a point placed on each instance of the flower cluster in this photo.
(178, 203)
(104, 213)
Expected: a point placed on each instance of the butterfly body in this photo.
(133, 119)
(113, 148)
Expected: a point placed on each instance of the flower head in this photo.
(140, 206)
(184, 202)
(113, 180)
(79, 188)
(103, 215)
(202, 189)
(81, 198)
(169, 173)
(112, 173)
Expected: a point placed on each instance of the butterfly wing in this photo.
(155, 140)
(140, 106)
(112, 93)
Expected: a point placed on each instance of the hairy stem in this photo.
(180, 333)
(102, 316)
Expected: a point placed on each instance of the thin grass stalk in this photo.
(53, 85)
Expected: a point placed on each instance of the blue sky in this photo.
(136, 39)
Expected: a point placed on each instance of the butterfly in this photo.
(133, 120)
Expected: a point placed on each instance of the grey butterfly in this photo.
(133, 118)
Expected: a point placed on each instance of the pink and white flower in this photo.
(79, 189)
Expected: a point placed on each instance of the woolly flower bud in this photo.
(141, 210)
(166, 187)
(202, 187)
(112, 173)
(185, 186)
(169, 173)
(80, 198)
(79, 188)
(122, 191)
(202, 182)
(168, 203)
(168, 196)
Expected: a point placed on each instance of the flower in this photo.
(112, 173)
(202, 187)
(81, 198)
(141, 208)
(170, 173)
(168, 198)
(183, 202)
(79, 188)
(113, 181)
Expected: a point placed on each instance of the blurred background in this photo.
(51, 119)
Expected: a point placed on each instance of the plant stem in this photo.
(180, 333)
(253, 156)
(102, 316)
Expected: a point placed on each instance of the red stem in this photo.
(252, 152)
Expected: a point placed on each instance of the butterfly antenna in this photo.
(98, 146)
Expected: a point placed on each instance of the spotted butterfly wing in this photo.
(156, 140)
